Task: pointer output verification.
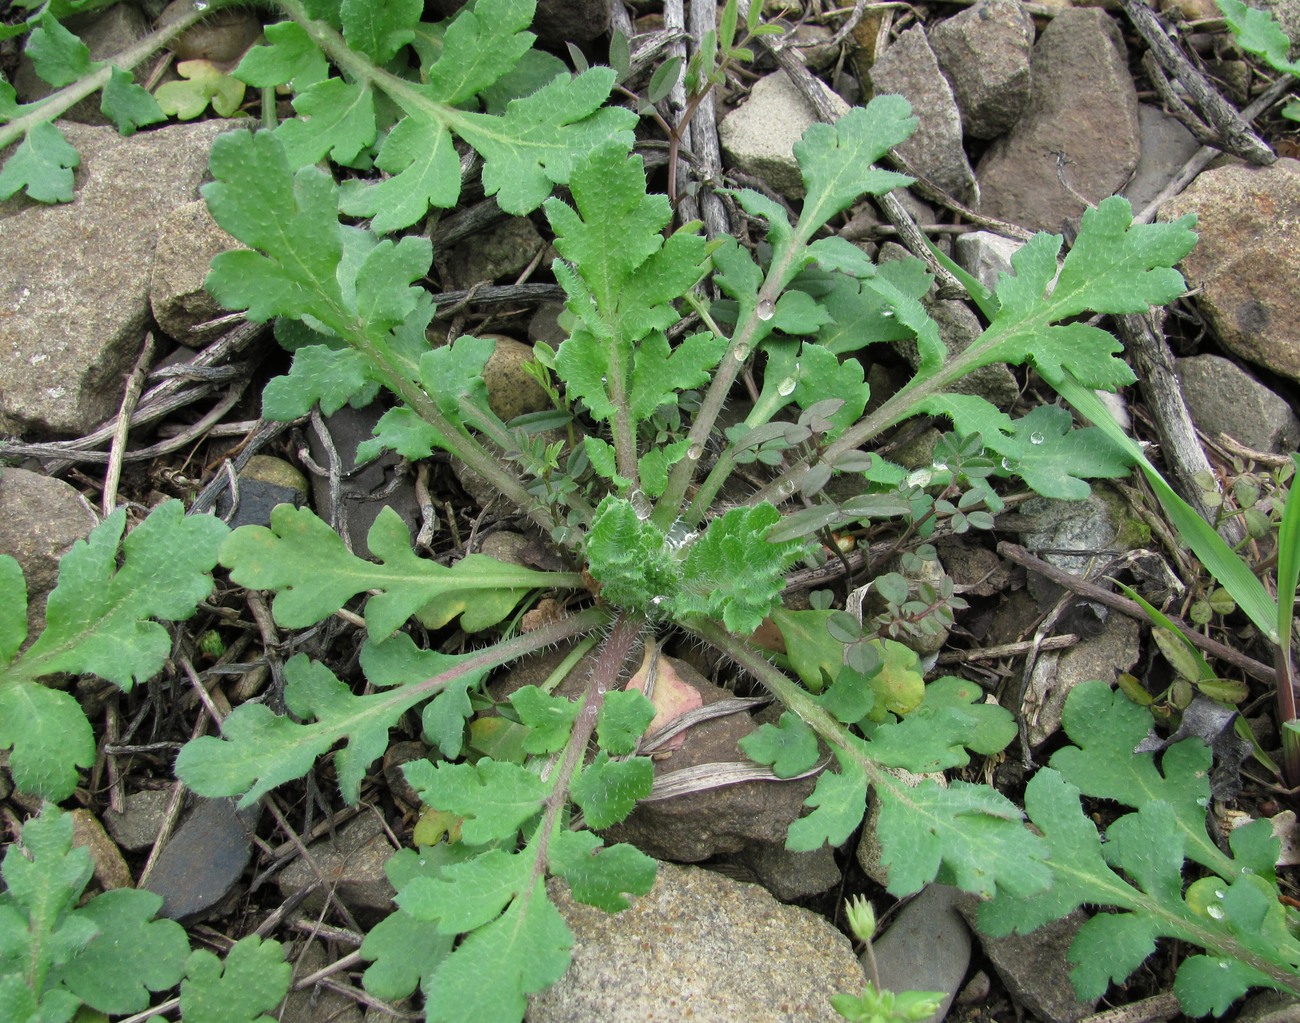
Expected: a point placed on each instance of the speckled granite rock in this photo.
(700, 947)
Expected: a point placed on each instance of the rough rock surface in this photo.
(74, 279)
(1166, 146)
(351, 864)
(188, 240)
(927, 946)
(909, 68)
(701, 947)
(1103, 656)
(693, 827)
(984, 53)
(758, 136)
(1247, 261)
(1223, 398)
(1082, 112)
(40, 519)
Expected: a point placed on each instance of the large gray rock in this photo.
(759, 135)
(74, 278)
(40, 519)
(1223, 398)
(926, 948)
(187, 241)
(695, 826)
(984, 53)
(909, 68)
(1247, 261)
(1082, 114)
(701, 947)
(351, 864)
(1166, 146)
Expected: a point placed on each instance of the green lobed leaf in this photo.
(320, 374)
(629, 557)
(608, 790)
(419, 156)
(493, 970)
(536, 144)
(839, 801)
(251, 982)
(305, 562)
(379, 30)
(98, 621)
(482, 44)
(1258, 32)
(335, 119)
(290, 56)
(126, 932)
(402, 949)
(397, 661)
(1105, 727)
(291, 218)
(548, 718)
(469, 894)
(624, 716)
(128, 105)
(732, 572)
(57, 55)
(41, 166)
(837, 160)
(1053, 458)
(495, 799)
(261, 749)
(55, 956)
(968, 835)
(659, 372)
(1115, 266)
(788, 747)
(48, 735)
(935, 736)
(597, 874)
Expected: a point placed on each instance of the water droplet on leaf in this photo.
(786, 387)
(887, 314)
(766, 309)
(695, 452)
(640, 504)
(1216, 912)
(1036, 438)
(741, 352)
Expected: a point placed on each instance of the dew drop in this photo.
(741, 352)
(786, 489)
(1218, 893)
(1036, 438)
(604, 379)
(1008, 464)
(658, 605)
(766, 309)
(200, 5)
(887, 314)
(941, 464)
(695, 452)
(1223, 964)
(1216, 912)
(640, 504)
(786, 387)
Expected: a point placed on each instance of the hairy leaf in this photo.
(99, 620)
(251, 982)
(967, 835)
(41, 165)
(537, 142)
(56, 956)
(314, 575)
(839, 801)
(607, 790)
(495, 799)
(597, 874)
(788, 747)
